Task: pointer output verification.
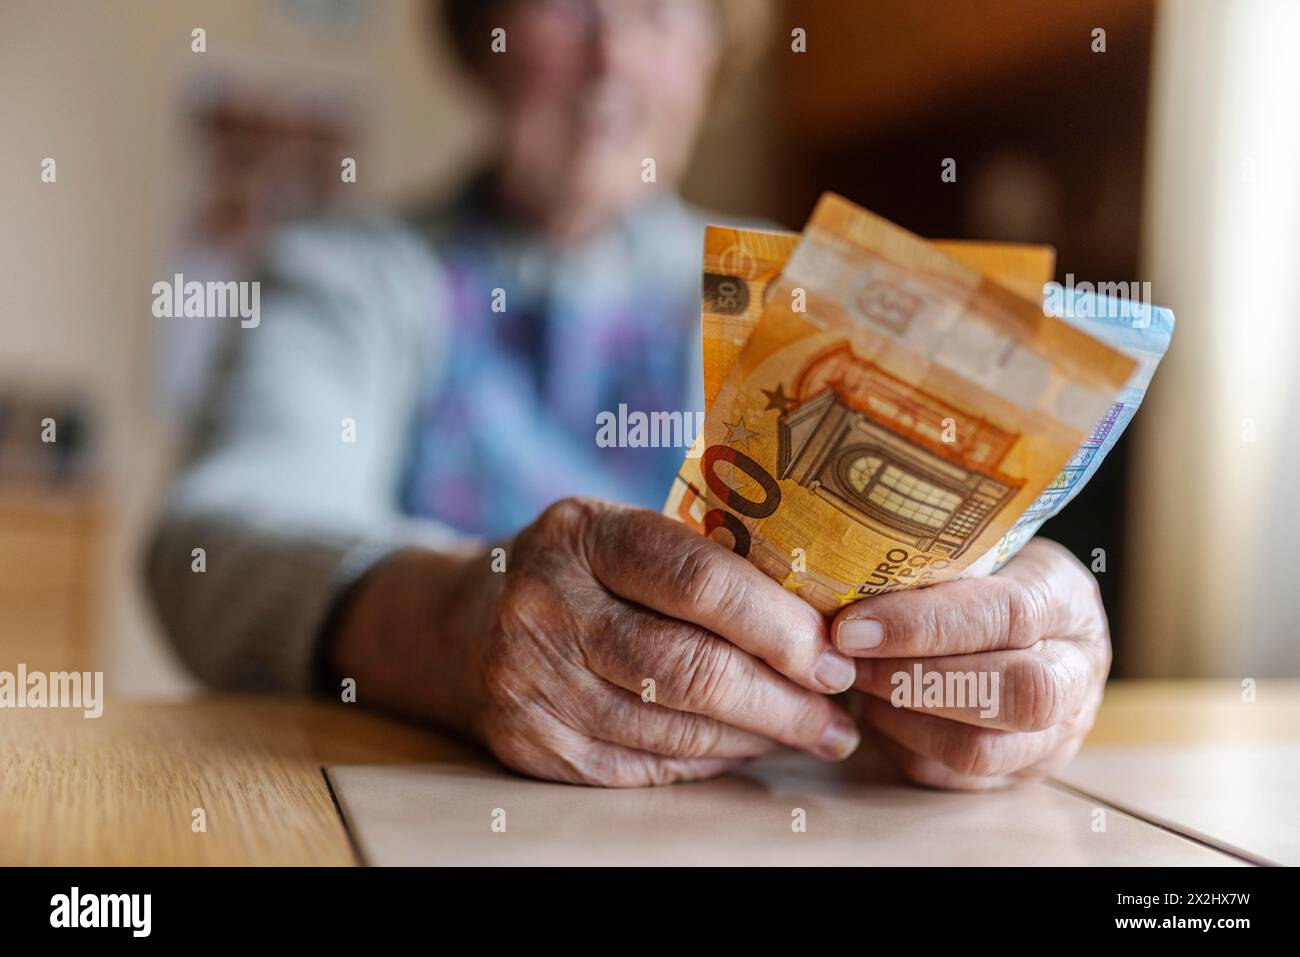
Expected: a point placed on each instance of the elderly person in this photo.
(399, 485)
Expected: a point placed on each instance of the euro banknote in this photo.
(880, 413)
(740, 265)
(1143, 332)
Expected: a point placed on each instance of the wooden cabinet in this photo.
(49, 563)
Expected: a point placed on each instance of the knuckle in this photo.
(1038, 692)
(1092, 623)
(810, 718)
(1076, 588)
(703, 584)
(522, 602)
(562, 528)
(566, 514)
(519, 630)
(708, 674)
(526, 606)
(1103, 655)
(694, 738)
(1088, 582)
(927, 626)
(1026, 610)
(928, 629)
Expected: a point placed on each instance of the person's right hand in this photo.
(603, 607)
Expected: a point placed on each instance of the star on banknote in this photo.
(777, 399)
(730, 476)
(847, 597)
(738, 432)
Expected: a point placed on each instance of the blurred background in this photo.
(1166, 158)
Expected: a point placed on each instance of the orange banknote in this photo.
(740, 265)
(890, 413)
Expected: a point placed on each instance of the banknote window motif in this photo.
(891, 488)
(912, 498)
(871, 445)
(862, 470)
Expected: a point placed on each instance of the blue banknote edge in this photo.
(1140, 330)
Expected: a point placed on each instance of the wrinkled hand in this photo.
(598, 598)
(1038, 625)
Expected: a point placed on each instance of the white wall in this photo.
(96, 87)
(1214, 577)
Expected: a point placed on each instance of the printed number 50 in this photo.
(732, 499)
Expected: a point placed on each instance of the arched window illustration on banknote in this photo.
(874, 447)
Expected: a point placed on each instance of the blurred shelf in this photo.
(50, 539)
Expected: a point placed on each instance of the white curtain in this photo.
(1212, 562)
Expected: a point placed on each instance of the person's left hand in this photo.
(1038, 625)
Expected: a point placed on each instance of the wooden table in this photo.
(50, 545)
(122, 789)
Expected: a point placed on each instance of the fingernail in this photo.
(839, 740)
(834, 671)
(859, 634)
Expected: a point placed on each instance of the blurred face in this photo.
(592, 88)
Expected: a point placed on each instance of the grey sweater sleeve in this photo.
(291, 490)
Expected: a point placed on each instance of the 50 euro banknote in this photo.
(1140, 330)
(880, 414)
(741, 266)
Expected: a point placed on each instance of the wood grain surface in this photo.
(122, 789)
